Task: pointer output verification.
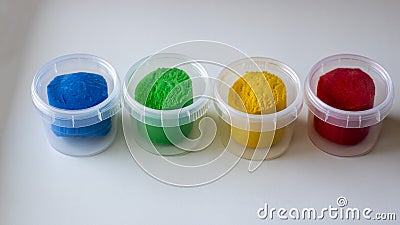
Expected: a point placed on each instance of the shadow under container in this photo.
(166, 132)
(80, 124)
(275, 130)
(352, 122)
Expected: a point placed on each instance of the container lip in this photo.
(110, 104)
(293, 108)
(379, 111)
(193, 111)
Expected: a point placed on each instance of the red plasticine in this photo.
(346, 89)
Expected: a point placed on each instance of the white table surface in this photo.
(41, 186)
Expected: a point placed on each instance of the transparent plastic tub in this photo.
(275, 130)
(166, 132)
(369, 121)
(83, 121)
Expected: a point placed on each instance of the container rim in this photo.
(167, 118)
(362, 118)
(105, 109)
(289, 114)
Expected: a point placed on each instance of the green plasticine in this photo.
(164, 89)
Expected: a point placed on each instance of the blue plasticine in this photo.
(76, 91)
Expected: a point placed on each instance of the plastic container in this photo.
(166, 132)
(83, 119)
(236, 127)
(369, 120)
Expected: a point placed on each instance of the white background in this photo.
(40, 186)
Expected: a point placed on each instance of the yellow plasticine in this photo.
(257, 93)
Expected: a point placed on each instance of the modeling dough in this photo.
(257, 93)
(164, 89)
(76, 91)
(346, 89)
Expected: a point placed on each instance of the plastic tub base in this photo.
(81, 146)
(238, 149)
(361, 148)
(136, 132)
